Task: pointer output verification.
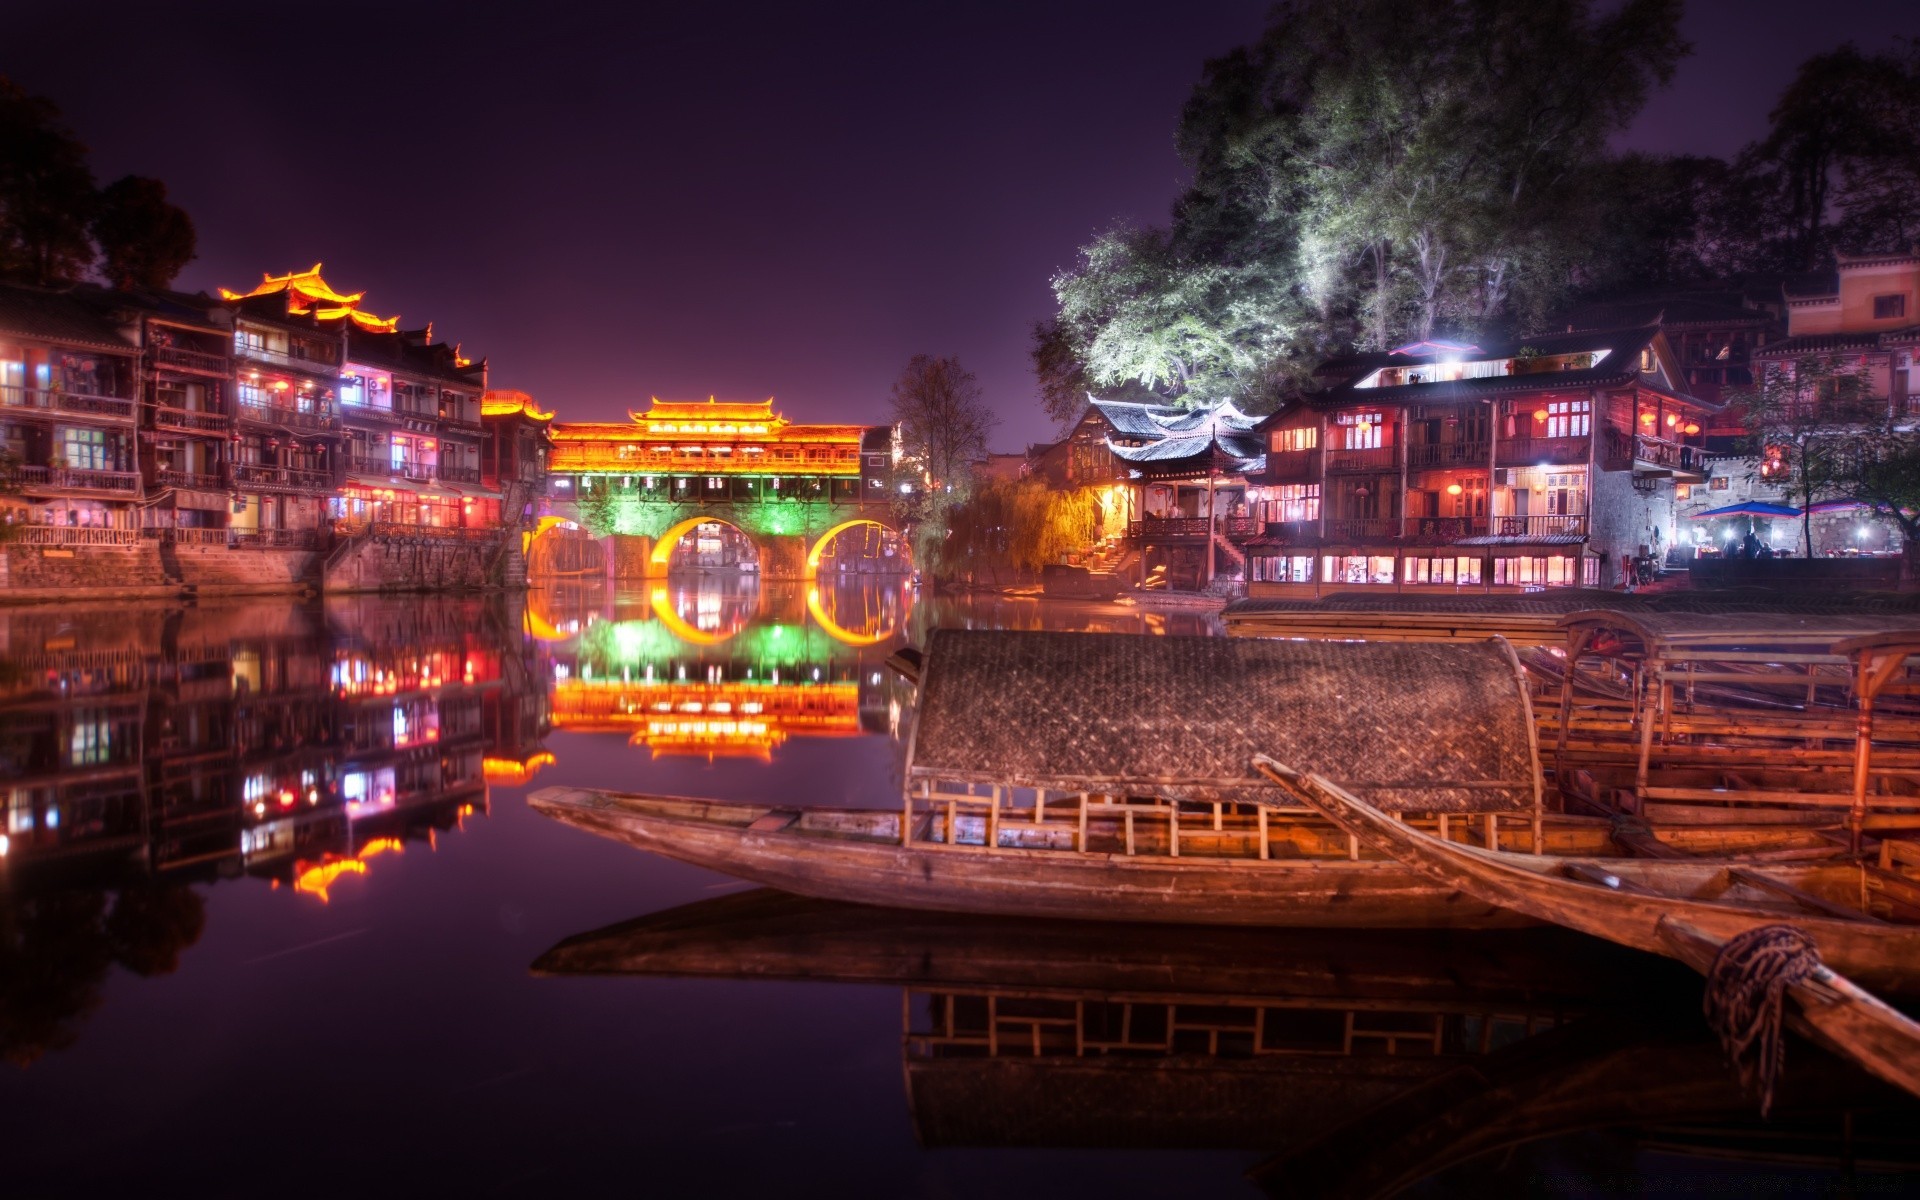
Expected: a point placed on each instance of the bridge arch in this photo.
(558, 548)
(826, 539)
(663, 545)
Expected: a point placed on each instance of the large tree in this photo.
(144, 239)
(1808, 423)
(46, 192)
(944, 425)
(1371, 171)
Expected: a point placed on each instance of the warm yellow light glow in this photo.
(316, 879)
(505, 772)
(1539, 414)
(1691, 429)
(1454, 489)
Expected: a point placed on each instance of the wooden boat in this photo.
(1623, 900)
(1110, 777)
(1035, 868)
(1833, 1011)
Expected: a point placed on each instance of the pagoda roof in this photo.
(509, 404)
(308, 294)
(709, 410)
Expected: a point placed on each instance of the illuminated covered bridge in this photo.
(639, 486)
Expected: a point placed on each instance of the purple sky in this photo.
(733, 199)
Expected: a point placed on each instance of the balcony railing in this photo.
(1532, 451)
(275, 539)
(1625, 450)
(1541, 526)
(1448, 454)
(287, 415)
(74, 403)
(298, 362)
(1362, 528)
(459, 474)
(1177, 529)
(1443, 530)
(190, 420)
(79, 479)
(191, 360)
(186, 535)
(1376, 458)
(394, 530)
(195, 480)
(415, 471)
(291, 479)
(1293, 466)
(73, 535)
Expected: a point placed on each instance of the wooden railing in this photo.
(459, 474)
(298, 362)
(73, 535)
(77, 403)
(1449, 454)
(1361, 528)
(1164, 529)
(187, 535)
(1293, 466)
(168, 477)
(287, 415)
(192, 360)
(275, 539)
(301, 479)
(1532, 451)
(190, 419)
(395, 530)
(1376, 458)
(1444, 529)
(1539, 526)
(79, 479)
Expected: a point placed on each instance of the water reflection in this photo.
(243, 798)
(1358, 1064)
(725, 666)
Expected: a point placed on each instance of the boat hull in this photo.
(1336, 894)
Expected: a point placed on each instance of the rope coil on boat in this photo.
(1746, 996)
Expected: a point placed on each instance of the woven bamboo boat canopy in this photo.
(1410, 727)
(1663, 634)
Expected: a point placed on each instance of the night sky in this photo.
(727, 199)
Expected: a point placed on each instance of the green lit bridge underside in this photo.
(790, 519)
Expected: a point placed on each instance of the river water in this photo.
(272, 899)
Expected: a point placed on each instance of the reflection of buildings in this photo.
(265, 740)
(725, 669)
(1363, 1063)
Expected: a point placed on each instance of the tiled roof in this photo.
(1820, 343)
(1137, 420)
(58, 316)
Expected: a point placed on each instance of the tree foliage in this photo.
(1370, 172)
(46, 192)
(1809, 422)
(54, 224)
(144, 240)
(1016, 526)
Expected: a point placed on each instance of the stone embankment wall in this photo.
(31, 573)
(414, 565)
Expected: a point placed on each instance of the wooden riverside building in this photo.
(1436, 466)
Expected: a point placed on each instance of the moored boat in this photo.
(1623, 900)
(1832, 1010)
